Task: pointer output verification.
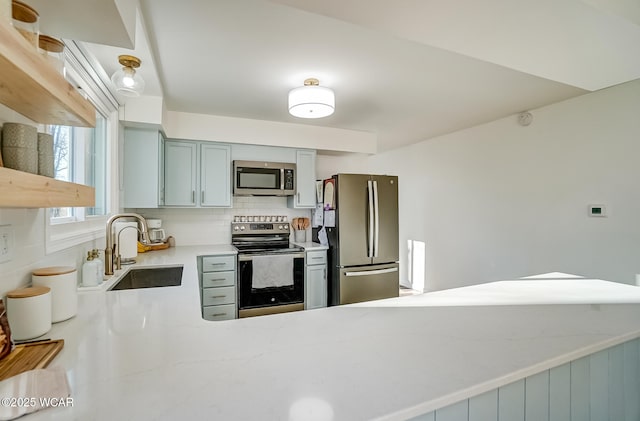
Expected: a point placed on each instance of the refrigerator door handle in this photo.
(371, 272)
(376, 218)
(371, 227)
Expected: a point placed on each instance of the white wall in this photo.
(29, 234)
(328, 165)
(500, 200)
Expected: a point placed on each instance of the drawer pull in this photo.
(217, 264)
(318, 257)
(219, 314)
(217, 280)
(219, 296)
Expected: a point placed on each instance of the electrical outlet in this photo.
(7, 243)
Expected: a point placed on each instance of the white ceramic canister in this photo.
(29, 312)
(63, 282)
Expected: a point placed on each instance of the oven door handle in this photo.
(241, 240)
(371, 272)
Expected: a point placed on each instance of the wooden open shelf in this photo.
(20, 189)
(30, 85)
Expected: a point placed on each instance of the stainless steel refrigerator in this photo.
(364, 243)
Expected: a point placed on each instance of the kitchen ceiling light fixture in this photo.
(127, 81)
(311, 100)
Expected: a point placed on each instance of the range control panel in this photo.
(260, 225)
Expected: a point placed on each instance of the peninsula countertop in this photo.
(147, 354)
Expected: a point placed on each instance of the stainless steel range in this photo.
(270, 268)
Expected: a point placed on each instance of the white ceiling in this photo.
(406, 70)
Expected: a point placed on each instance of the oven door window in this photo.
(258, 178)
(252, 297)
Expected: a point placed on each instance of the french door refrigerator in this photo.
(364, 242)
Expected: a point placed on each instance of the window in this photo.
(85, 156)
(80, 157)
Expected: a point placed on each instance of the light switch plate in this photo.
(597, 210)
(7, 243)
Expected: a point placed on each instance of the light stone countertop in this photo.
(147, 354)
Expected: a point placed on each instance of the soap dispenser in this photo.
(96, 257)
(90, 271)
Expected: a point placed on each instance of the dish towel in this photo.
(272, 271)
(32, 391)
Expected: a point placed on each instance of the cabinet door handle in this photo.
(193, 196)
(298, 196)
(202, 197)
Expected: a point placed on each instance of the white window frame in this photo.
(89, 76)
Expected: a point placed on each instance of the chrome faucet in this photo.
(110, 246)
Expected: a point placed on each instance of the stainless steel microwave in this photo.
(258, 178)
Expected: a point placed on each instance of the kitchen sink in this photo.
(150, 278)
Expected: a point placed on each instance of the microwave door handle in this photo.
(370, 233)
(281, 178)
(376, 219)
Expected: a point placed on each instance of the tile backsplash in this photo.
(197, 226)
(188, 226)
(28, 226)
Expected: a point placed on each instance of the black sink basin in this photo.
(150, 278)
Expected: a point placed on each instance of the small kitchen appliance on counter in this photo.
(156, 233)
(270, 269)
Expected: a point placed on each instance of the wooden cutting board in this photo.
(27, 357)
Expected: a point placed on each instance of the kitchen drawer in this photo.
(317, 257)
(216, 313)
(218, 279)
(217, 296)
(218, 263)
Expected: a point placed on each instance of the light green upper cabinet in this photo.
(305, 196)
(197, 174)
(215, 175)
(180, 173)
(143, 168)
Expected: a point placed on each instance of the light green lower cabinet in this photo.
(218, 292)
(315, 281)
(601, 386)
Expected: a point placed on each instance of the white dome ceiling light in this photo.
(311, 100)
(127, 81)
